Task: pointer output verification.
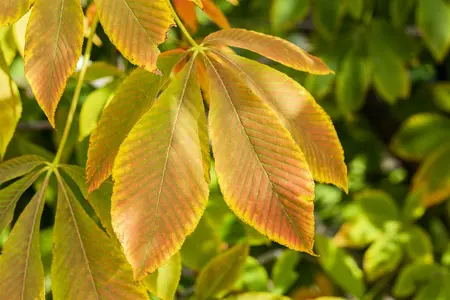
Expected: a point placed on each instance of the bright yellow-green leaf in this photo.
(99, 70)
(382, 257)
(133, 99)
(308, 123)
(19, 166)
(87, 264)
(357, 233)
(272, 47)
(378, 206)
(433, 20)
(418, 245)
(7, 44)
(21, 270)
(420, 135)
(257, 296)
(163, 283)
(160, 175)
(220, 274)
(136, 28)
(259, 165)
(11, 194)
(12, 10)
(285, 14)
(53, 46)
(441, 92)
(254, 277)
(20, 28)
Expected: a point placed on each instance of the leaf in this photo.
(340, 267)
(441, 93)
(20, 28)
(285, 14)
(13, 10)
(355, 8)
(201, 246)
(257, 296)
(254, 277)
(433, 19)
(196, 2)
(19, 166)
(420, 135)
(98, 70)
(160, 175)
(186, 11)
(259, 165)
(284, 274)
(357, 233)
(378, 207)
(92, 109)
(418, 245)
(136, 28)
(53, 46)
(21, 270)
(220, 274)
(11, 194)
(411, 276)
(400, 11)
(84, 255)
(382, 257)
(215, 14)
(308, 123)
(272, 47)
(326, 17)
(133, 99)
(163, 282)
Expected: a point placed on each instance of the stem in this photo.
(181, 26)
(76, 95)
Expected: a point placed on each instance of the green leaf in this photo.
(340, 267)
(254, 277)
(326, 17)
(355, 8)
(433, 20)
(11, 194)
(98, 70)
(412, 276)
(413, 208)
(202, 245)
(379, 207)
(285, 14)
(441, 93)
(257, 296)
(382, 257)
(439, 235)
(284, 274)
(437, 288)
(19, 166)
(21, 269)
(84, 254)
(400, 11)
(418, 245)
(221, 273)
(163, 282)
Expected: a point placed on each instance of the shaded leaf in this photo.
(160, 175)
(441, 92)
(19, 166)
(21, 270)
(400, 11)
(254, 277)
(257, 296)
(13, 10)
(382, 257)
(136, 28)
(163, 282)
(284, 274)
(418, 245)
(272, 47)
(355, 8)
(133, 99)
(284, 14)
(220, 274)
(53, 45)
(85, 255)
(259, 166)
(326, 17)
(412, 276)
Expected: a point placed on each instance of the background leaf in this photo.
(163, 282)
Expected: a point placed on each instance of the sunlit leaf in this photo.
(12, 10)
(433, 19)
(418, 245)
(283, 271)
(284, 14)
(53, 45)
(136, 28)
(196, 2)
(98, 70)
(382, 257)
(7, 44)
(19, 166)
(378, 206)
(86, 262)
(420, 135)
(272, 47)
(11, 194)
(220, 274)
(163, 282)
(216, 15)
(259, 166)
(20, 28)
(309, 125)
(21, 270)
(133, 98)
(186, 11)
(160, 175)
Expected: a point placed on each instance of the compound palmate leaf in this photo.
(161, 174)
(261, 170)
(53, 45)
(136, 28)
(21, 269)
(19, 166)
(87, 264)
(12, 10)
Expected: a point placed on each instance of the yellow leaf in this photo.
(13, 10)
(20, 28)
(21, 270)
(197, 2)
(136, 28)
(308, 123)
(262, 172)
(87, 264)
(160, 175)
(53, 46)
(133, 98)
(215, 14)
(272, 47)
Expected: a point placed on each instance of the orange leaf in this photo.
(262, 172)
(161, 175)
(133, 99)
(136, 28)
(53, 45)
(186, 11)
(272, 47)
(197, 2)
(215, 14)
(13, 10)
(308, 123)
